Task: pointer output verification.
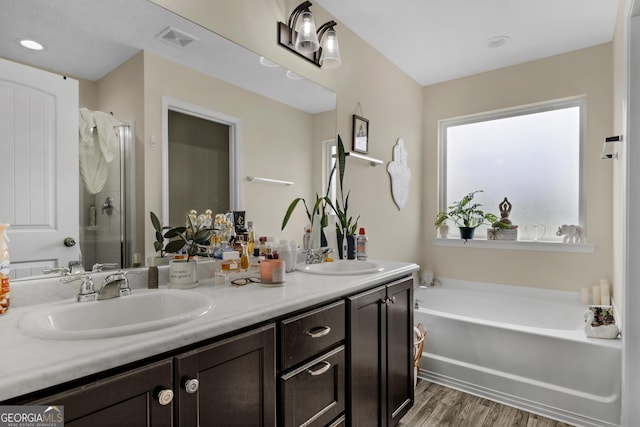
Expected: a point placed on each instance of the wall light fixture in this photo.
(300, 36)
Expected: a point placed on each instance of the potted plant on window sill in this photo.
(467, 216)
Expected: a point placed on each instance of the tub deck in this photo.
(522, 347)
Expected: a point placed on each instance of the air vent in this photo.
(175, 37)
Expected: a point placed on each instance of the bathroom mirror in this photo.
(87, 40)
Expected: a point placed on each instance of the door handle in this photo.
(69, 242)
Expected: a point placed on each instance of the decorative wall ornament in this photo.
(400, 174)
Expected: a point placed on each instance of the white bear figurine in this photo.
(571, 233)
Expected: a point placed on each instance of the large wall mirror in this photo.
(125, 52)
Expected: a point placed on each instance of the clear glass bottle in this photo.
(244, 258)
(251, 237)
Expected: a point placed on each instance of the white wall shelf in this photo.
(274, 181)
(525, 245)
(372, 160)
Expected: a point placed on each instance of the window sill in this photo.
(524, 245)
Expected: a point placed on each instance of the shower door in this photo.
(104, 216)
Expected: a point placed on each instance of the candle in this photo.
(584, 296)
(605, 292)
(596, 294)
(272, 271)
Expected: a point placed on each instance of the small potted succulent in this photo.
(466, 215)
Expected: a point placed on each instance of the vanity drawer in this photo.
(314, 394)
(311, 333)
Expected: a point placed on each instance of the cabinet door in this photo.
(366, 338)
(236, 382)
(399, 350)
(126, 400)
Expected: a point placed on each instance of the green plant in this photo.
(320, 206)
(345, 222)
(193, 235)
(464, 213)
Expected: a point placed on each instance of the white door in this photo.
(38, 166)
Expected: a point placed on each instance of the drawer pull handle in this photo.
(318, 332)
(324, 368)
(165, 396)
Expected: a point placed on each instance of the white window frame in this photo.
(580, 102)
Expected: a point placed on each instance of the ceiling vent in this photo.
(175, 37)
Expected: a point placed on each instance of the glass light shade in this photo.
(307, 39)
(330, 57)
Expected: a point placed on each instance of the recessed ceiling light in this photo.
(31, 44)
(496, 41)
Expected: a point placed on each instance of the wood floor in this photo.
(436, 405)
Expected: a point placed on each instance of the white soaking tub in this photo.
(521, 346)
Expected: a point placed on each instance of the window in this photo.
(531, 155)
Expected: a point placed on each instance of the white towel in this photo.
(99, 142)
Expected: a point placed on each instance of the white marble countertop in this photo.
(30, 364)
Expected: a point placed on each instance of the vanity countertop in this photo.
(30, 364)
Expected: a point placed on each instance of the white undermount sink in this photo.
(341, 268)
(142, 311)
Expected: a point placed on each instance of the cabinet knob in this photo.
(165, 396)
(387, 301)
(321, 370)
(319, 331)
(191, 385)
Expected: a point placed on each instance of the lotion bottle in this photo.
(361, 245)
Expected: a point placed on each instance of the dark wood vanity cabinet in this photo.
(128, 399)
(236, 382)
(345, 363)
(235, 386)
(312, 367)
(380, 325)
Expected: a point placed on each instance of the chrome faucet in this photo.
(318, 255)
(87, 291)
(119, 278)
(115, 285)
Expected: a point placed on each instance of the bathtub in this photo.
(524, 347)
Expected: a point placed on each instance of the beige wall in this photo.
(275, 142)
(585, 72)
(387, 96)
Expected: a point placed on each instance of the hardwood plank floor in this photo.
(437, 406)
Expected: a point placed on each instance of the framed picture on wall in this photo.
(360, 134)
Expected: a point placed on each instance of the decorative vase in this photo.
(351, 246)
(183, 274)
(466, 233)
